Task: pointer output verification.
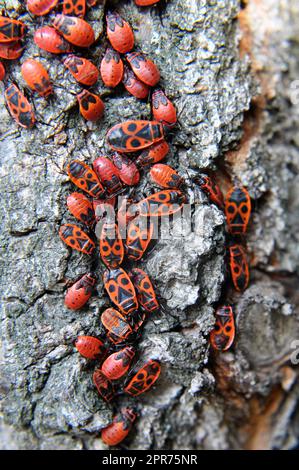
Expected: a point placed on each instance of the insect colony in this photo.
(131, 291)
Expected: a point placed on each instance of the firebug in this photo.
(239, 267)
(112, 68)
(118, 430)
(143, 68)
(11, 50)
(2, 71)
(19, 107)
(100, 206)
(165, 176)
(131, 136)
(76, 238)
(120, 290)
(153, 154)
(111, 245)
(163, 203)
(75, 30)
(107, 174)
(119, 33)
(85, 178)
(237, 209)
(145, 3)
(211, 189)
(145, 291)
(117, 364)
(103, 385)
(48, 39)
(74, 7)
(118, 327)
(91, 106)
(163, 109)
(81, 208)
(123, 215)
(127, 170)
(37, 77)
(223, 334)
(11, 30)
(142, 378)
(80, 292)
(133, 85)
(90, 347)
(83, 70)
(41, 7)
(139, 234)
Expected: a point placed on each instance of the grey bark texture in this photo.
(231, 70)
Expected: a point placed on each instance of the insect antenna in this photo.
(59, 169)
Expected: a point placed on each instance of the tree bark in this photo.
(232, 71)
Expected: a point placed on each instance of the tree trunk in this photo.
(232, 72)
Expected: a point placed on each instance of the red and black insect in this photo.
(37, 77)
(223, 334)
(120, 290)
(131, 136)
(90, 347)
(118, 430)
(75, 30)
(143, 68)
(49, 40)
(118, 327)
(127, 170)
(11, 50)
(239, 267)
(237, 209)
(85, 178)
(143, 378)
(76, 238)
(41, 7)
(145, 291)
(162, 108)
(145, 3)
(154, 154)
(2, 72)
(119, 33)
(108, 174)
(123, 216)
(19, 107)
(80, 292)
(163, 203)
(111, 245)
(83, 70)
(90, 105)
(102, 206)
(81, 208)
(117, 364)
(165, 176)
(133, 85)
(11, 30)
(211, 189)
(138, 319)
(146, 295)
(103, 385)
(112, 68)
(74, 7)
(139, 234)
